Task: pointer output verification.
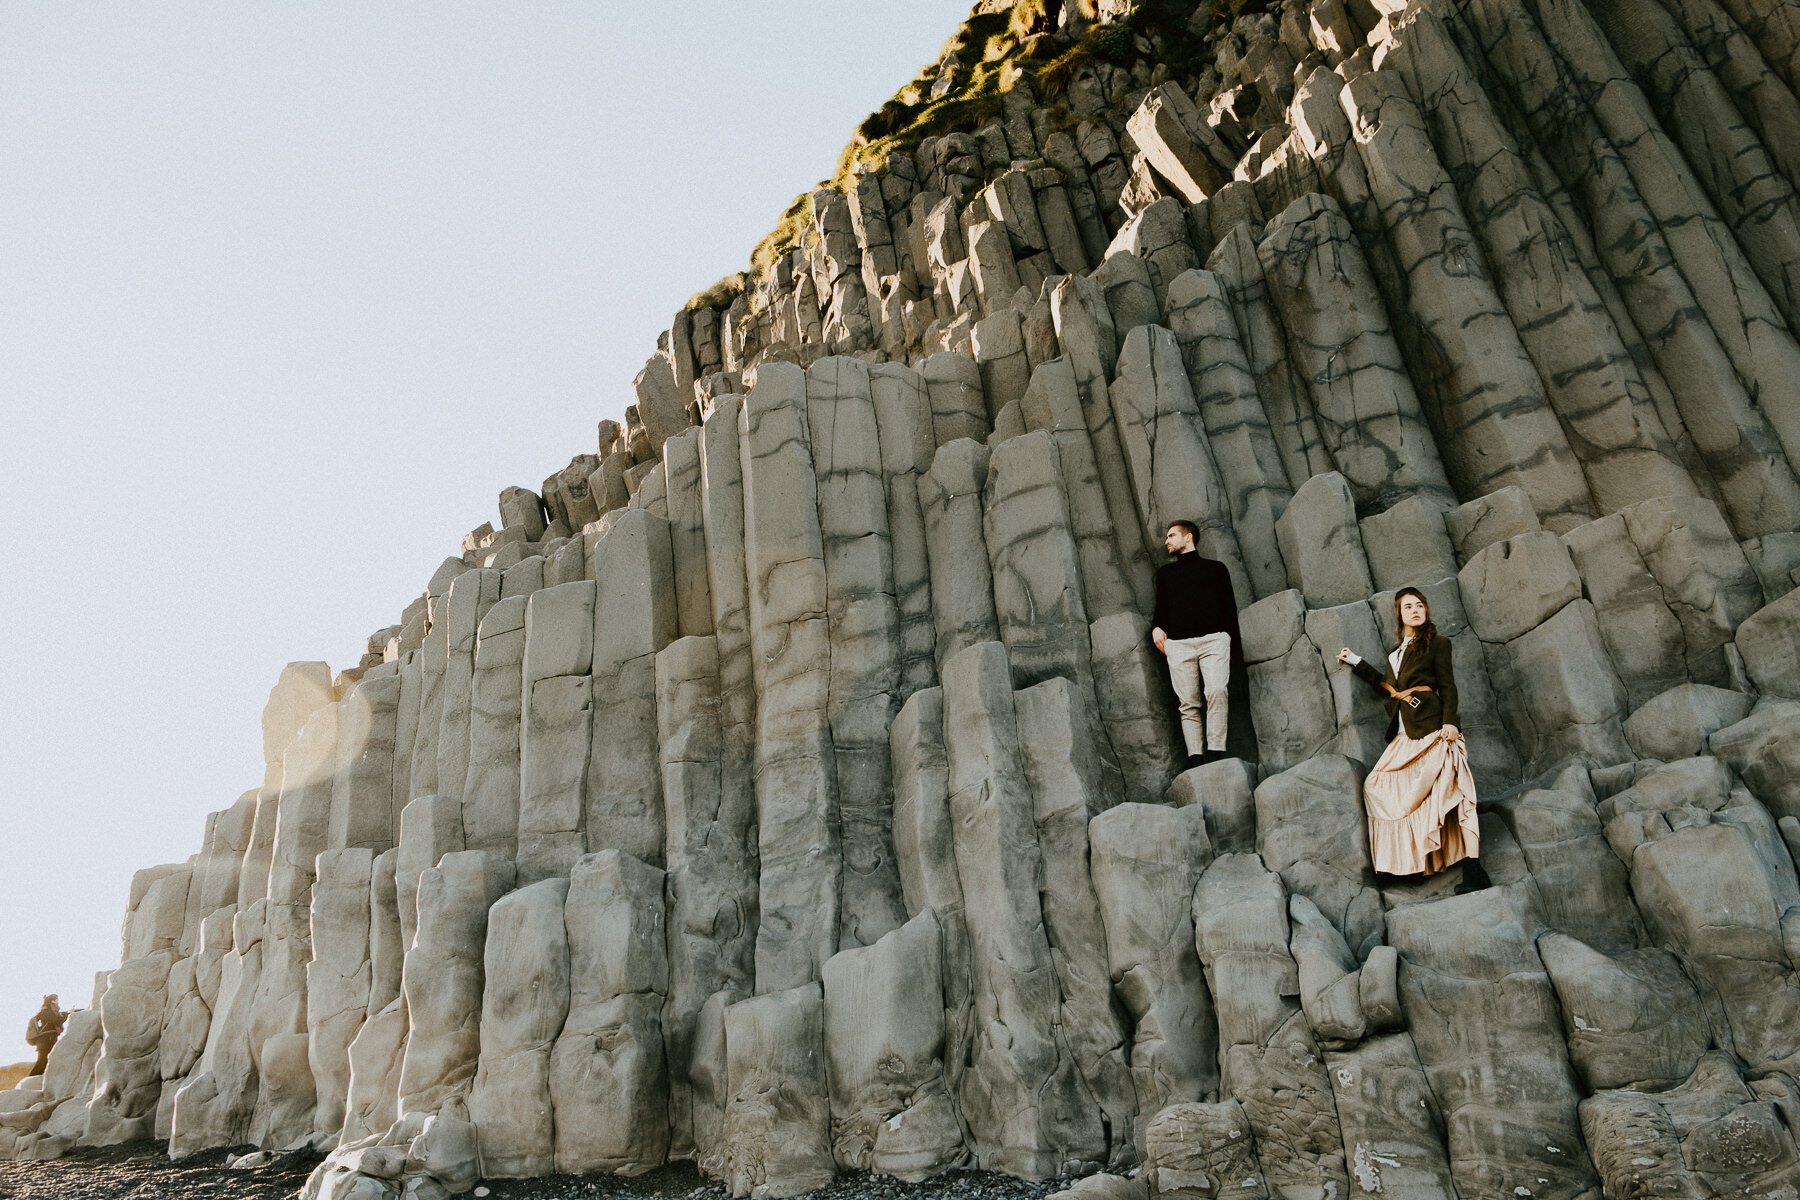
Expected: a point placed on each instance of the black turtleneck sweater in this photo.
(1194, 598)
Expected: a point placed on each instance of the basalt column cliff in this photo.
(790, 784)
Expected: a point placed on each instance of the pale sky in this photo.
(288, 293)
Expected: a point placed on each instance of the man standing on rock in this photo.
(1195, 625)
(45, 1026)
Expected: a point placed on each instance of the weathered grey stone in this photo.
(790, 639)
(375, 1058)
(1486, 399)
(301, 689)
(884, 1051)
(1582, 885)
(1269, 1059)
(1713, 1136)
(1367, 411)
(1703, 575)
(1678, 722)
(471, 596)
(958, 407)
(1557, 691)
(1052, 402)
(1655, 241)
(1173, 476)
(1223, 791)
(925, 848)
(490, 808)
(1179, 144)
(661, 405)
(1561, 317)
(1360, 715)
(1393, 1131)
(1024, 1102)
(1321, 545)
(962, 590)
(444, 978)
(520, 508)
(1764, 748)
(1643, 637)
(1238, 430)
(1709, 873)
(1125, 284)
(1041, 613)
(634, 616)
(1312, 831)
(525, 998)
(1137, 705)
(1284, 395)
(1512, 587)
(607, 1074)
(865, 631)
(338, 979)
(777, 1117)
(711, 858)
(127, 1079)
(1146, 860)
(1085, 331)
(363, 812)
(1634, 1019)
(1062, 751)
(1407, 545)
(1289, 692)
(1203, 1152)
(687, 533)
(1769, 641)
(904, 424)
(1492, 1053)
(999, 345)
(422, 779)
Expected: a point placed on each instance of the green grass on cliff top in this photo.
(1000, 46)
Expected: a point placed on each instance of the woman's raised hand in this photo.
(1344, 655)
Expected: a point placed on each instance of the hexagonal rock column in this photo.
(711, 858)
(884, 1053)
(607, 1074)
(338, 977)
(1023, 1099)
(1269, 1058)
(555, 740)
(778, 1116)
(1494, 1055)
(865, 639)
(791, 640)
(525, 996)
(634, 617)
(490, 809)
(1146, 859)
(445, 978)
(1343, 346)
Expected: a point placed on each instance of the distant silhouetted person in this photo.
(1196, 627)
(45, 1026)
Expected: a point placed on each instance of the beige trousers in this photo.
(1200, 670)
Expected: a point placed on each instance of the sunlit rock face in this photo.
(789, 783)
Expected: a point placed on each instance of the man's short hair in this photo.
(1193, 530)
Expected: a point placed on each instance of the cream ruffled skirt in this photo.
(1421, 803)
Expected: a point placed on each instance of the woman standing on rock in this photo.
(1420, 796)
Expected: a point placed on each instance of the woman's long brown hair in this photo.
(1427, 631)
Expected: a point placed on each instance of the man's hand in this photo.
(1161, 640)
